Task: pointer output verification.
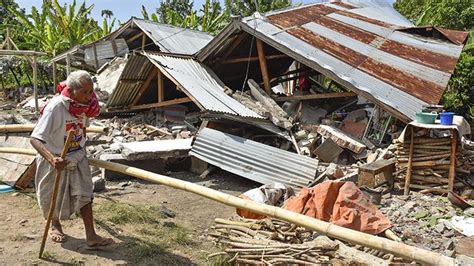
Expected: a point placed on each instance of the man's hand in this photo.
(58, 163)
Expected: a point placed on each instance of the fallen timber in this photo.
(19, 128)
(328, 229)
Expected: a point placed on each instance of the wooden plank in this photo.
(144, 87)
(316, 96)
(406, 190)
(161, 91)
(252, 58)
(162, 104)
(135, 37)
(452, 166)
(263, 66)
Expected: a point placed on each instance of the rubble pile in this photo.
(423, 220)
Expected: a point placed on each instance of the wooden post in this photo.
(35, 85)
(143, 41)
(161, 92)
(406, 191)
(452, 165)
(68, 64)
(263, 66)
(8, 39)
(96, 60)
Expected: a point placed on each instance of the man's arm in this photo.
(57, 162)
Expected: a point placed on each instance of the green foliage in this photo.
(456, 15)
(248, 7)
(181, 13)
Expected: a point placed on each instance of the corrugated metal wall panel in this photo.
(253, 160)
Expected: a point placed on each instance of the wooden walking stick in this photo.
(55, 193)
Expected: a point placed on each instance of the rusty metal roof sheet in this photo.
(172, 39)
(364, 46)
(255, 161)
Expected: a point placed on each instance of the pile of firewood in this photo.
(272, 241)
(431, 159)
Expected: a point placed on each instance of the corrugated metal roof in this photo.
(363, 46)
(253, 160)
(173, 39)
(133, 75)
(196, 80)
(201, 84)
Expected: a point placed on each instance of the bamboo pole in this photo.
(331, 230)
(406, 191)
(19, 128)
(54, 196)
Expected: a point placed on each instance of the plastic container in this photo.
(446, 118)
(426, 118)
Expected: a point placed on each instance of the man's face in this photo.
(84, 95)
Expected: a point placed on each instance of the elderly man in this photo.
(70, 110)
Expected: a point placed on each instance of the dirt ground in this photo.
(149, 238)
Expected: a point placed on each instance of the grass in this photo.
(147, 235)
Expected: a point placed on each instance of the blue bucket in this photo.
(446, 118)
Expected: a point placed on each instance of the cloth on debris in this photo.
(460, 124)
(341, 203)
(271, 194)
(75, 187)
(91, 109)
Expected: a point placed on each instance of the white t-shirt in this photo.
(55, 122)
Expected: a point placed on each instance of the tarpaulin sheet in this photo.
(341, 203)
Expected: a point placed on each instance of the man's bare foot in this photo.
(97, 241)
(56, 232)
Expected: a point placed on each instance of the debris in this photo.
(377, 173)
(464, 246)
(277, 115)
(341, 138)
(464, 225)
(99, 183)
(328, 151)
(271, 194)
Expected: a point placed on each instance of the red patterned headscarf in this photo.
(77, 109)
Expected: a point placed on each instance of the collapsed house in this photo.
(134, 34)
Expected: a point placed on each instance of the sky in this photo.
(122, 9)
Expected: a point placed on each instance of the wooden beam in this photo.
(20, 52)
(162, 104)
(263, 66)
(144, 87)
(143, 41)
(135, 37)
(316, 96)
(452, 165)
(406, 190)
(161, 91)
(253, 58)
